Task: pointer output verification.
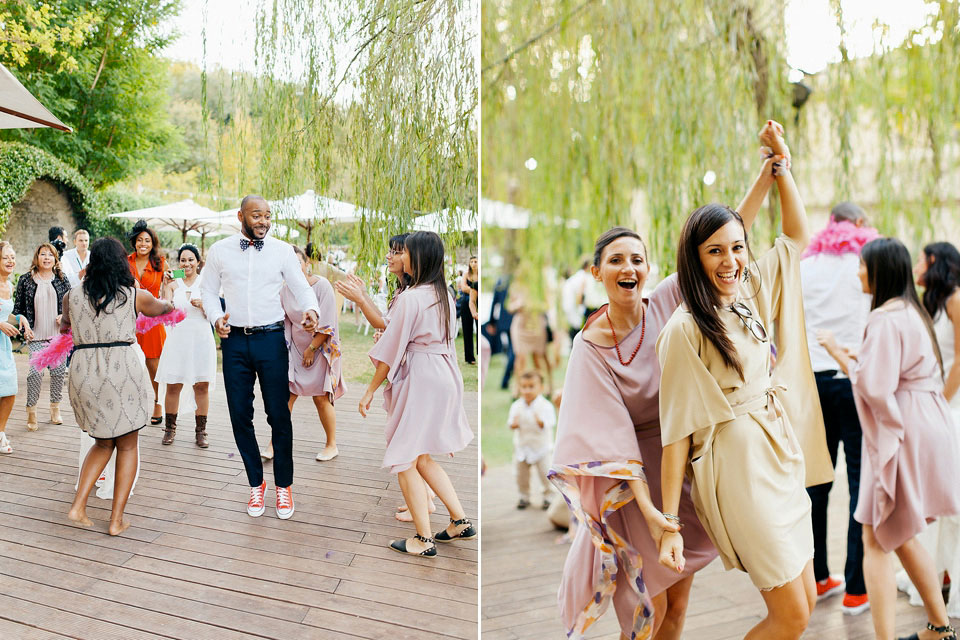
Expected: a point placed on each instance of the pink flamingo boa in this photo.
(61, 346)
(840, 237)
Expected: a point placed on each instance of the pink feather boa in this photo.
(840, 237)
(60, 347)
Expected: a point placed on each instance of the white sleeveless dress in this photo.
(189, 353)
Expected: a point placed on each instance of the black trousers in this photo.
(468, 339)
(843, 425)
(247, 358)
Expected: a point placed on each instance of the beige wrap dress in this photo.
(757, 441)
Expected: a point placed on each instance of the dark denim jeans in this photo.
(843, 424)
(246, 358)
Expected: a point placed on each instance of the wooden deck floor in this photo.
(522, 564)
(194, 566)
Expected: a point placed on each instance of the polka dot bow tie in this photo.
(244, 244)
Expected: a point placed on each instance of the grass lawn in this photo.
(496, 440)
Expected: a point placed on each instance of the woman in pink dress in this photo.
(609, 431)
(898, 387)
(424, 394)
(315, 365)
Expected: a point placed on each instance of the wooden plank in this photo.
(194, 565)
(522, 566)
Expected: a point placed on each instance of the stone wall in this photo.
(45, 205)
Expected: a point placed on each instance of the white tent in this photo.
(180, 217)
(20, 110)
(503, 215)
(438, 220)
(308, 211)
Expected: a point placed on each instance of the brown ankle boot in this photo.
(55, 413)
(170, 429)
(32, 419)
(202, 432)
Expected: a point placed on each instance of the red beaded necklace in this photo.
(616, 344)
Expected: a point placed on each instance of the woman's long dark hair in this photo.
(890, 275)
(697, 291)
(426, 262)
(155, 257)
(942, 277)
(108, 274)
(397, 243)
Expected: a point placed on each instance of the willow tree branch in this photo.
(550, 29)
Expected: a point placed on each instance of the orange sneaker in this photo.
(855, 605)
(284, 502)
(255, 507)
(829, 587)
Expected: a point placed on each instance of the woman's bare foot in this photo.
(403, 513)
(116, 529)
(79, 516)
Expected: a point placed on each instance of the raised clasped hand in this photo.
(827, 340)
(351, 287)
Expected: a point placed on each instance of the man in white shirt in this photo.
(833, 300)
(251, 267)
(74, 261)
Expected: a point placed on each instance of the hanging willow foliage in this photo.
(369, 101)
(625, 106)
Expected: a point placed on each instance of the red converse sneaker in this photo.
(829, 587)
(284, 502)
(255, 507)
(855, 605)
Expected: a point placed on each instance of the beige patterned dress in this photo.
(110, 389)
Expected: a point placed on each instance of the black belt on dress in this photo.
(266, 328)
(98, 345)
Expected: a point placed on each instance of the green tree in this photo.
(370, 101)
(110, 87)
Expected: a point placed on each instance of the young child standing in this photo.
(532, 418)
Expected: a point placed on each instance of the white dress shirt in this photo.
(72, 264)
(251, 282)
(530, 441)
(571, 298)
(833, 299)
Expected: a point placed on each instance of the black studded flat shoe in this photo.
(401, 547)
(468, 533)
(944, 629)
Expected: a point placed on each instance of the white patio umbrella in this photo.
(181, 217)
(437, 221)
(309, 210)
(20, 110)
(503, 215)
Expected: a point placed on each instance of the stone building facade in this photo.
(45, 205)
